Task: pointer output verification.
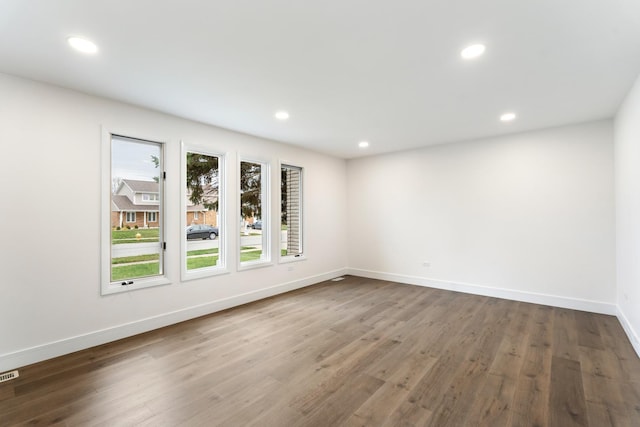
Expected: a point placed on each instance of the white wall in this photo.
(50, 223)
(528, 217)
(627, 184)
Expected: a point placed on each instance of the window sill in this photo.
(117, 287)
(292, 258)
(253, 265)
(203, 273)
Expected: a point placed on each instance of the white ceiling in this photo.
(388, 72)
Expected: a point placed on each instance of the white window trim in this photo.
(267, 259)
(221, 267)
(126, 217)
(106, 286)
(155, 214)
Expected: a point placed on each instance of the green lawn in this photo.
(250, 256)
(137, 258)
(133, 271)
(129, 236)
(194, 261)
(201, 262)
(203, 252)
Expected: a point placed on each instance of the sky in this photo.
(131, 159)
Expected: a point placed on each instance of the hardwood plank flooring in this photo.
(358, 352)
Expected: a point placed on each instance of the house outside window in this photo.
(131, 217)
(152, 216)
(290, 211)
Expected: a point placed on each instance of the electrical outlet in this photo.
(426, 264)
(290, 268)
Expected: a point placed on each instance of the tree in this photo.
(250, 189)
(115, 184)
(202, 180)
(156, 161)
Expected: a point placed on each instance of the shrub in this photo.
(118, 228)
(135, 226)
(128, 227)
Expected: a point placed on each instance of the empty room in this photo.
(336, 213)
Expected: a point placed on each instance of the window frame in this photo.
(223, 229)
(302, 256)
(108, 287)
(126, 217)
(265, 200)
(155, 216)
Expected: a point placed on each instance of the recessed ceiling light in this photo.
(282, 115)
(82, 45)
(473, 51)
(507, 117)
(363, 144)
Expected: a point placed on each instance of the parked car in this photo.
(201, 231)
(257, 225)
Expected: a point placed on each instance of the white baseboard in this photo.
(531, 297)
(628, 329)
(50, 350)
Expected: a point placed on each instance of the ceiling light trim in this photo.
(508, 116)
(82, 45)
(281, 115)
(473, 51)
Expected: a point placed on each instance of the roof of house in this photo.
(123, 203)
(141, 186)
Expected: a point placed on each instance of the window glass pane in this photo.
(254, 212)
(290, 211)
(135, 227)
(203, 232)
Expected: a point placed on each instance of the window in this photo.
(149, 197)
(132, 252)
(290, 211)
(131, 217)
(254, 212)
(203, 246)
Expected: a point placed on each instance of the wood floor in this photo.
(359, 352)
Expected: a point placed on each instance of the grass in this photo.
(133, 271)
(136, 258)
(250, 256)
(195, 260)
(202, 252)
(129, 236)
(201, 262)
